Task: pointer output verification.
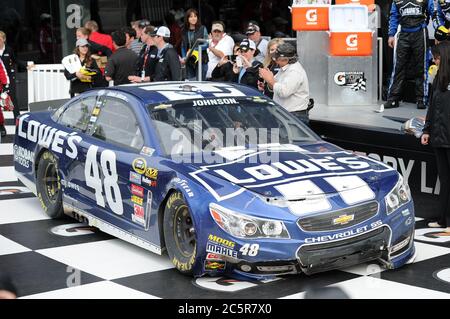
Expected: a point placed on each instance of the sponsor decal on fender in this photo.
(211, 256)
(23, 157)
(140, 165)
(223, 242)
(139, 215)
(137, 190)
(215, 265)
(149, 182)
(151, 173)
(70, 185)
(184, 184)
(135, 178)
(137, 200)
(216, 249)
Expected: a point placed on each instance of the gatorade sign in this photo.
(310, 18)
(351, 43)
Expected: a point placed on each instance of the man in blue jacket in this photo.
(412, 16)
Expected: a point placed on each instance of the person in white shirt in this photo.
(290, 85)
(220, 45)
(254, 33)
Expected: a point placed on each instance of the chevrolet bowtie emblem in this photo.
(344, 219)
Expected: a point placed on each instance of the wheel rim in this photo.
(51, 183)
(184, 232)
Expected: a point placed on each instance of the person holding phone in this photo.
(246, 68)
(223, 72)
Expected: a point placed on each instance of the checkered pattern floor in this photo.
(63, 259)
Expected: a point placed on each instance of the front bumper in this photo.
(372, 246)
(323, 257)
(389, 242)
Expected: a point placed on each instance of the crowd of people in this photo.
(146, 53)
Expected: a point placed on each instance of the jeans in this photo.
(302, 116)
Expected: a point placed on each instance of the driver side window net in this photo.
(78, 114)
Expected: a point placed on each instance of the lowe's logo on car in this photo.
(300, 166)
(280, 170)
(57, 140)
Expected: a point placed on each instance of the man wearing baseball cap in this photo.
(290, 85)
(168, 67)
(220, 45)
(254, 33)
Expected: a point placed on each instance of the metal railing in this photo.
(198, 43)
(47, 82)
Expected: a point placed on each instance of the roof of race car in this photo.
(153, 93)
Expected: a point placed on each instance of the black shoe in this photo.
(391, 104)
(421, 106)
(2, 131)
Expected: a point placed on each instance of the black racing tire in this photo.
(179, 234)
(48, 185)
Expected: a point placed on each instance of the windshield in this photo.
(212, 124)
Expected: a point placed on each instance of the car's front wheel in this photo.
(48, 185)
(179, 234)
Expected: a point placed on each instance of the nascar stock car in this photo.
(221, 177)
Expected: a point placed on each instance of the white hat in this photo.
(82, 42)
(217, 26)
(247, 44)
(161, 31)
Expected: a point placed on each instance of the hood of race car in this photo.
(296, 172)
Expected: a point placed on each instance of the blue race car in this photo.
(218, 175)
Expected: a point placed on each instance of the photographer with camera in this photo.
(290, 85)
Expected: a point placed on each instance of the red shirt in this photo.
(102, 39)
(4, 79)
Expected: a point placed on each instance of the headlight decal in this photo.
(247, 227)
(398, 196)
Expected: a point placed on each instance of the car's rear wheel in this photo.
(179, 234)
(48, 185)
